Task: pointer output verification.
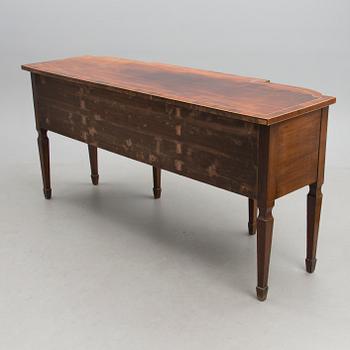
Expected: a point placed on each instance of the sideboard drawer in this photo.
(199, 145)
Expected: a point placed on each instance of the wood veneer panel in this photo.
(235, 97)
(296, 156)
(190, 143)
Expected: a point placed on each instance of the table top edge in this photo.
(265, 119)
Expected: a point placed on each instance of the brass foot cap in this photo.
(157, 192)
(310, 265)
(94, 179)
(47, 193)
(261, 293)
(251, 228)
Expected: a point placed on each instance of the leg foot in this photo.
(261, 293)
(94, 179)
(156, 193)
(93, 164)
(314, 202)
(47, 193)
(156, 182)
(264, 242)
(252, 216)
(310, 265)
(44, 153)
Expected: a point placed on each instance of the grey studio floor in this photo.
(109, 267)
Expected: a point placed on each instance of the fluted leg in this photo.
(264, 241)
(93, 164)
(314, 202)
(44, 153)
(252, 216)
(156, 182)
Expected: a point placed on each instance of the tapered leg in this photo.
(252, 216)
(93, 164)
(156, 182)
(264, 241)
(314, 202)
(44, 153)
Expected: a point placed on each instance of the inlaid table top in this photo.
(251, 99)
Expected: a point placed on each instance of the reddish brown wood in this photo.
(264, 242)
(44, 153)
(296, 160)
(314, 202)
(245, 135)
(251, 99)
(266, 196)
(156, 182)
(252, 203)
(93, 164)
(198, 145)
(314, 199)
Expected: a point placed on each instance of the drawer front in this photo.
(216, 150)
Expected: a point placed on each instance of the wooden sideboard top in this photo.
(251, 99)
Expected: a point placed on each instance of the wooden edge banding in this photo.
(322, 145)
(315, 101)
(299, 110)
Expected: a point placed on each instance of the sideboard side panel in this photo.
(198, 145)
(296, 144)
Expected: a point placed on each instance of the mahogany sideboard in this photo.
(245, 135)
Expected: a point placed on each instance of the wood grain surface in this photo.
(250, 99)
(195, 144)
